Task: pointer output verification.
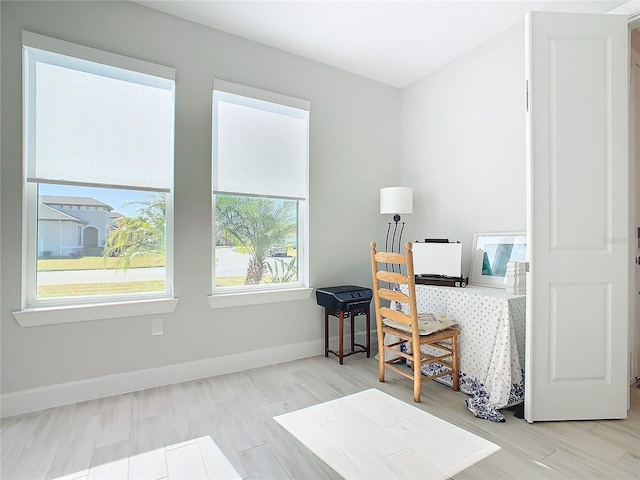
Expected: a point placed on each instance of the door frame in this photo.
(634, 224)
(632, 10)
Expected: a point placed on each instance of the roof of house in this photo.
(84, 201)
(45, 212)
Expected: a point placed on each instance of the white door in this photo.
(577, 216)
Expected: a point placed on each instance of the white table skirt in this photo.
(491, 343)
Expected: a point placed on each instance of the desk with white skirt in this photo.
(491, 343)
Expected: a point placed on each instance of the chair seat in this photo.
(432, 339)
(428, 323)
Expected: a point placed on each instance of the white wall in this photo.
(463, 145)
(355, 145)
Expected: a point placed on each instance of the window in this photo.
(260, 189)
(99, 134)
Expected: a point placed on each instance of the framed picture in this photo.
(490, 255)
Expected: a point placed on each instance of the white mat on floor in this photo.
(372, 435)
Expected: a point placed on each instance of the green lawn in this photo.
(78, 289)
(96, 263)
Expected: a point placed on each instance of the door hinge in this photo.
(526, 87)
(527, 267)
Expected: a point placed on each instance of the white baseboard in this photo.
(41, 398)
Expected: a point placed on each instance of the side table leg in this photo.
(353, 336)
(326, 333)
(368, 333)
(341, 351)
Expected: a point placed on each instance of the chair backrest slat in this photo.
(390, 257)
(391, 277)
(393, 296)
(395, 315)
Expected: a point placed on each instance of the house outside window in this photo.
(260, 158)
(78, 235)
(98, 169)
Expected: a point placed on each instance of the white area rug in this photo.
(372, 435)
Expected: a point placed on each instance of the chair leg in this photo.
(456, 366)
(381, 355)
(417, 374)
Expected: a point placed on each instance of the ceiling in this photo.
(392, 42)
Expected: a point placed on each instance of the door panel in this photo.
(577, 217)
(571, 58)
(571, 307)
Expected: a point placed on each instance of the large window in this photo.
(98, 143)
(260, 189)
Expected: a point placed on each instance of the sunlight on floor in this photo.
(198, 458)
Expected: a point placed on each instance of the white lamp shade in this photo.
(396, 200)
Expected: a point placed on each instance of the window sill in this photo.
(32, 317)
(226, 300)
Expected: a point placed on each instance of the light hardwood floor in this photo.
(237, 411)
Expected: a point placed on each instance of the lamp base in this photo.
(391, 246)
(393, 240)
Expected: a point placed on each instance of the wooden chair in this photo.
(409, 329)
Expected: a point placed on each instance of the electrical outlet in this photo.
(156, 326)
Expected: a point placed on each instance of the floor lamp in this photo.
(395, 201)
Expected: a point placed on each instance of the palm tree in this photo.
(256, 224)
(143, 234)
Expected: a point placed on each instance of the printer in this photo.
(346, 297)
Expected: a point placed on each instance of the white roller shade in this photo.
(95, 124)
(260, 148)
